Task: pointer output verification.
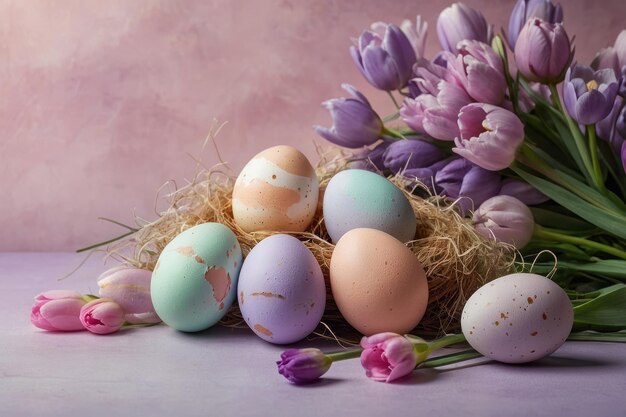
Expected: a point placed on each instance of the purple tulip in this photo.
(355, 123)
(613, 57)
(58, 311)
(611, 128)
(416, 34)
(542, 52)
(385, 61)
(490, 135)
(526, 9)
(459, 22)
(411, 153)
(102, 316)
(426, 175)
(523, 191)
(130, 288)
(370, 159)
(470, 184)
(505, 219)
(301, 366)
(589, 96)
(478, 69)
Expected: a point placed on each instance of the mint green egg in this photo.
(195, 278)
(356, 198)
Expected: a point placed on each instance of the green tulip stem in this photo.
(579, 140)
(341, 356)
(395, 102)
(593, 148)
(392, 133)
(553, 235)
(447, 340)
(444, 360)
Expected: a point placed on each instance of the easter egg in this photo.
(517, 318)
(277, 191)
(377, 283)
(282, 294)
(194, 281)
(357, 198)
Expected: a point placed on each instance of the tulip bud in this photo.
(387, 357)
(303, 365)
(386, 60)
(589, 96)
(58, 311)
(102, 316)
(411, 153)
(505, 219)
(542, 52)
(130, 288)
(470, 184)
(459, 22)
(355, 123)
(526, 9)
(490, 136)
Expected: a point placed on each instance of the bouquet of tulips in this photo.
(509, 128)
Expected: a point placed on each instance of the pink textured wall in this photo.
(100, 102)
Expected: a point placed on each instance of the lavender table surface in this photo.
(157, 371)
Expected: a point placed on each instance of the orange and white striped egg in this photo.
(277, 191)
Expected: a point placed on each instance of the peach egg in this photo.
(377, 283)
(277, 191)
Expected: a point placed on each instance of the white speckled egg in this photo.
(277, 191)
(282, 294)
(517, 318)
(356, 198)
(195, 279)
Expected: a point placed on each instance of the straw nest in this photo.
(457, 261)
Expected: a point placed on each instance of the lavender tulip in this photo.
(301, 366)
(589, 96)
(478, 69)
(505, 219)
(460, 22)
(416, 34)
(490, 136)
(436, 116)
(355, 123)
(409, 154)
(611, 128)
(385, 61)
(426, 175)
(542, 52)
(470, 184)
(526, 9)
(523, 191)
(613, 57)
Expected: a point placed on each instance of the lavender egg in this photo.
(281, 290)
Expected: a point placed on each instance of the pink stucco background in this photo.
(103, 102)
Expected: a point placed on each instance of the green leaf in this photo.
(606, 312)
(610, 220)
(561, 221)
(590, 336)
(609, 267)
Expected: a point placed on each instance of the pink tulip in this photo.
(102, 316)
(58, 311)
(505, 219)
(387, 357)
(490, 136)
(130, 288)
